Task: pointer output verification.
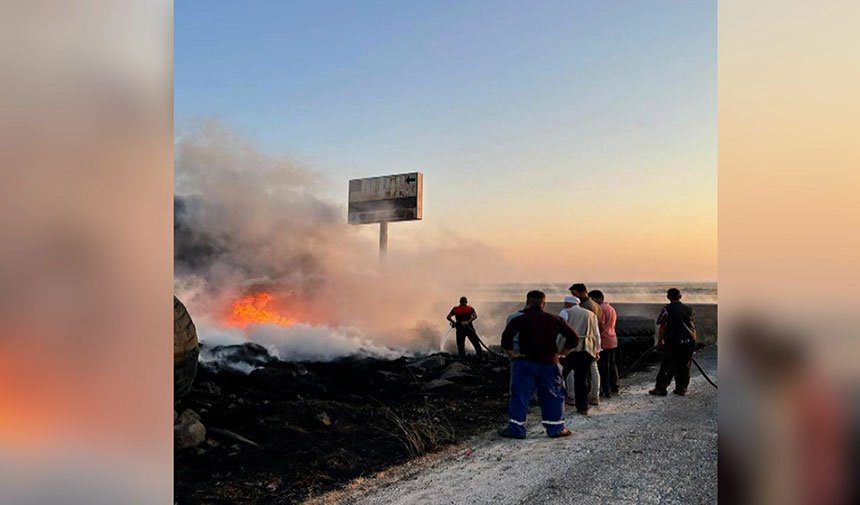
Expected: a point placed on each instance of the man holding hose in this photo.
(461, 318)
(677, 338)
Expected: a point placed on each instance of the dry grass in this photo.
(419, 436)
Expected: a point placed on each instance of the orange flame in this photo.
(251, 309)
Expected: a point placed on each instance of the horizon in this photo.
(554, 138)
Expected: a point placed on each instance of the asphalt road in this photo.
(632, 449)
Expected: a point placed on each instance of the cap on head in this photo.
(673, 294)
(571, 299)
(463, 299)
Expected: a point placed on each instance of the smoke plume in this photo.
(247, 222)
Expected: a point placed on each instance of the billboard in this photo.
(388, 198)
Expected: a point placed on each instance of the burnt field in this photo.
(289, 431)
(312, 427)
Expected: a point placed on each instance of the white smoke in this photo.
(303, 342)
(248, 221)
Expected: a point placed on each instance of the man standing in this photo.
(608, 345)
(508, 321)
(677, 337)
(582, 357)
(580, 291)
(463, 315)
(536, 365)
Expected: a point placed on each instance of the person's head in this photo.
(579, 290)
(596, 295)
(536, 299)
(674, 294)
(570, 301)
(463, 300)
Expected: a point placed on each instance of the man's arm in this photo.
(661, 332)
(571, 338)
(693, 322)
(448, 317)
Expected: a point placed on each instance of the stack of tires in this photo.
(185, 350)
(635, 332)
(635, 336)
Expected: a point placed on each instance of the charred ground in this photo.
(288, 431)
(319, 425)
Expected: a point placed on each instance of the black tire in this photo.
(185, 350)
(635, 326)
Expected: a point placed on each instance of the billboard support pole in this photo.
(383, 241)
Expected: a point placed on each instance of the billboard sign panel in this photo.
(388, 198)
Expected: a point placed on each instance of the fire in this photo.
(251, 309)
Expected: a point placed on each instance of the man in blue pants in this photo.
(536, 365)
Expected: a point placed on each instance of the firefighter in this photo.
(461, 318)
(677, 338)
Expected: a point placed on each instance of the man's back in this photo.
(678, 318)
(517, 336)
(512, 316)
(463, 313)
(584, 322)
(608, 338)
(537, 335)
(589, 304)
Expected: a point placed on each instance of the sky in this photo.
(577, 139)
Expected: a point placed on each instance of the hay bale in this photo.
(185, 350)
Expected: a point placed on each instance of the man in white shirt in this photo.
(583, 356)
(594, 392)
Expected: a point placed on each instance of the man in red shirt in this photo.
(463, 315)
(608, 346)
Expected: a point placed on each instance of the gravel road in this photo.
(632, 449)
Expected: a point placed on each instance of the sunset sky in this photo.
(577, 139)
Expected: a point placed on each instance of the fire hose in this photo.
(636, 363)
(445, 339)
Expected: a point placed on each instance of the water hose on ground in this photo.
(636, 363)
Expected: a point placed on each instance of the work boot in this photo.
(680, 392)
(658, 392)
(563, 433)
(594, 402)
(614, 393)
(583, 412)
(507, 434)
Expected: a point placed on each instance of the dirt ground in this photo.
(632, 449)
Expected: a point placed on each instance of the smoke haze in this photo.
(246, 222)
